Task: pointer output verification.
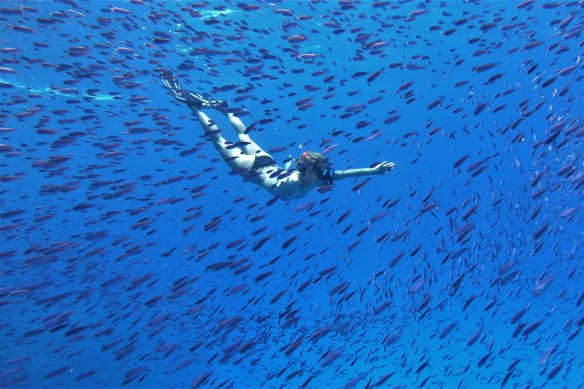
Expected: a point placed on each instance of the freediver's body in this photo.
(247, 158)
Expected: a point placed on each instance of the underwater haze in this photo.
(133, 257)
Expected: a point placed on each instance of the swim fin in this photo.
(192, 99)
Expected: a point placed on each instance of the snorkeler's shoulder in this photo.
(289, 185)
(291, 178)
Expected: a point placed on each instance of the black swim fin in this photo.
(192, 99)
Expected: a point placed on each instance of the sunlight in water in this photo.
(102, 97)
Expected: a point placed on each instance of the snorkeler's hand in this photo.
(383, 167)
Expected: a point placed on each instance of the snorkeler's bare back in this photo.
(285, 184)
(294, 186)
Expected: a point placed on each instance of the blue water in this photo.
(131, 256)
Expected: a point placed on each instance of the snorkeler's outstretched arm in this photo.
(380, 168)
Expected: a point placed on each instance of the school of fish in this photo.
(132, 256)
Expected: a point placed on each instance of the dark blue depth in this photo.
(132, 255)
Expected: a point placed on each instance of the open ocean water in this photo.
(132, 257)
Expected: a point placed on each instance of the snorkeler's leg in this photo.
(248, 146)
(231, 154)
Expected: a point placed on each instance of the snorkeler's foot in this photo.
(193, 100)
(208, 102)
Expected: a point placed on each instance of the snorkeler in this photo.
(248, 159)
